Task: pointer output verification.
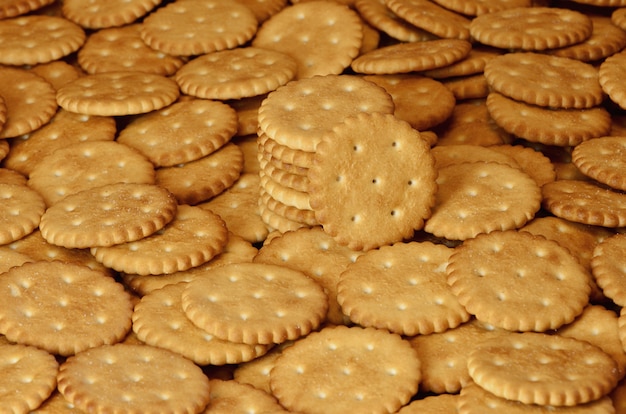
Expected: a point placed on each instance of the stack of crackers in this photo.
(321, 206)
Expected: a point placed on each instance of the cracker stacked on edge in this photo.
(314, 206)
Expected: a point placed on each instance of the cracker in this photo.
(606, 39)
(204, 178)
(618, 17)
(531, 28)
(196, 27)
(102, 15)
(129, 52)
(57, 72)
(117, 93)
(284, 153)
(264, 9)
(159, 320)
(532, 162)
(432, 18)
(237, 250)
(379, 16)
(473, 400)
(304, 216)
(297, 114)
(549, 126)
(446, 155)
(609, 73)
(315, 253)
(331, 371)
(401, 288)
(257, 372)
(133, 378)
(284, 194)
(467, 87)
(608, 269)
(585, 202)
(29, 99)
(501, 290)
(234, 74)
(478, 7)
(44, 301)
(473, 63)
(411, 57)
(182, 132)
(276, 222)
(192, 238)
(29, 40)
(283, 177)
(322, 36)
(545, 80)
(444, 403)
(555, 380)
(444, 355)
(228, 396)
(108, 215)
(391, 205)
(247, 115)
(470, 123)
(10, 176)
(10, 258)
(20, 211)
(420, 101)
(463, 210)
(255, 303)
(598, 326)
(28, 377)
(12, 8)
(238, 207)
(602, 159)
(63, 130)
(87, 165)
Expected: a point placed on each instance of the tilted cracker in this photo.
(14, 8)
(204, 178)
(467, 87)
(285, 154)
(283, 177)
(471, 64)
(255, 303)
(264, 9)
(108, 215)
(315, 253)
(121, 48)
(446, 155)
(182, 132)
(391, 204)
(474, 400)
(117, 93)
(602, 159)
(33, 39)
(63, 130)
(501, 288)
(531, 28)
(585, 202)
(549, 126)
(470, 123)
(379, 16)
(227, 396)
(286, 195)
(322, 36)
(546, 371)
(444, 355)
(618, 17)
(544, 80)
(192, 238)
(133, 378)
(610, 71)
(401, 288)
(196, 27)
(480, 197)
(411, 57)
(443, 403)
(238, 207)
(600, 327)
(341, 369)
(237, 250)
(28, 377)
(87, 165)
(534, 163)
(605, 40)
(478, 7)
(277, 222)
(432, 18)
(29, 99)
(10, 176)
(63, 308)
(10, 258)
(159, 320)
(607, 267)
(237, 73)
(298, 114)
(306, 217)
(421, 101)
(109, 14)
(20, 211)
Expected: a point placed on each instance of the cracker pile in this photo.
(321, 206)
